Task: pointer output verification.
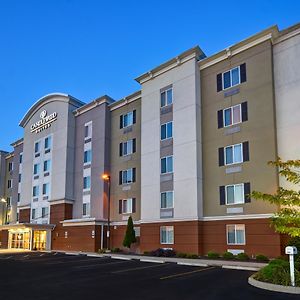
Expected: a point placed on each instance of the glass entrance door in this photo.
(19, 240)
(39, 240)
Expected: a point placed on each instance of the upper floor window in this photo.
(10, 166)
(33, 214)
(167, 164)
(35, 191)
(167, 199)
(88, 130)
(235, 193)
(9, 183)
(128, 119)
(20, 177)
(166, 131)
(127, 206)
(87, 156)
(234, 154)
(37, 147)
(45, 212)
(21, 158)
(167, 235)
(166, 97)
(236, 234)
(19, 197)
(36, 169)
(8, 201)
(87, 182)
(233, 115)
(128, 147)
(86, 209)
(231, 77)
(46, 189)
(127, 176)
(48, 142)
(47, 165)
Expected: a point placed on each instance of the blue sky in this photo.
(88, 48)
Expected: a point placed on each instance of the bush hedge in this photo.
(213, 255)
(163, 252)
(228, 255)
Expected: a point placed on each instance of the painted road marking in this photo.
(152, 261)
(121, 257)
(185, 273)
(138, 268)
(72, 261)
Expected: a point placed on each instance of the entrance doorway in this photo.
(19, 240)
(39, 240)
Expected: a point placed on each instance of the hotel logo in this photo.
(44, 123)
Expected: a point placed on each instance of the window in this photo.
(46, 189)
(87, 156)
(231, 78)
(37, 147)
(128, 119)
(167, 235)
(127, 176)
(86, 209)
(45, 212)
(233, 154)
(19, 197)
(35, 191)
(166, 131)
(47, 165)
(88, 130)
(48, 142)
(9, 183)
(10, 166)
(33, 214)
(36, 169)
(166, 97)
(235, 194)
(236, 234)
(17, 216)
(167, 164)
(20, 177)
(21, 158)
(87, 182)
(128, 147)
(8, 201)
(127, 206)
(167, 199)
(232, 115)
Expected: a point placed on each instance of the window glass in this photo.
(227, 117)
(231, 234)
(228, 155)
(226, 80)
(87, 182)
(36, 169)
(87, 156)
(33, 213)
(170, 164)
(166, 199)
(163, 133)
(47, 165)
(235, 76)
(163, 165)
(48, 142)
(163, 99)
(238, 153)
(240, 234)
(239, 193)
(37, 147)
(169, 129)
(230, 194)
(169, 97)
(236, 114)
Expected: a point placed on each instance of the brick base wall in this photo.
(24, 215)
(4, 239)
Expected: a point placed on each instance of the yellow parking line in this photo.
(185, 273)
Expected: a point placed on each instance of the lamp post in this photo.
(5, 210)
(106, 178)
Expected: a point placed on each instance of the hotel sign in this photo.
(44, 123)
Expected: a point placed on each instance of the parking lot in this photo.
(38, 275)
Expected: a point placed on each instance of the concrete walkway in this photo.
(226, 264)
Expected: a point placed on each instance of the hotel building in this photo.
(183, 154)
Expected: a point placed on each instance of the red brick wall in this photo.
(118, 234)
(4, 239)
(24, 215)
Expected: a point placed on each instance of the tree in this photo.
(130, 234)
(287, 219)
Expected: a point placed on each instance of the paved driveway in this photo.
(60, 276)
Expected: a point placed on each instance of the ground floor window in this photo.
(167, 234)
(236, 234)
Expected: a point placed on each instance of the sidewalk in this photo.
(225, 264)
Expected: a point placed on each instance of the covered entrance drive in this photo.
(28, 236)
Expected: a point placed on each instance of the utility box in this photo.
(291, 250)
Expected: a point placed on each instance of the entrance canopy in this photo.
(28, 226)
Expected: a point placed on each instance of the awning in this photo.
(27, 225)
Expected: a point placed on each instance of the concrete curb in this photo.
(241, 268)
(273, 287)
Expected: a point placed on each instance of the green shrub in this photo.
(146, 252)
(228, 255)
(193, 256)
(115, 250)
(242, 256)
(277, 272)
(213, 255)
(181, 255)
(102, 250)
(260, 257)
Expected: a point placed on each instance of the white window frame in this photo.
(127, 116)
(234, 187)
(87, 208)
(48, 137)
(21, 158)
(125, 145)
(38, 169)
(166, 101)
(39, 146)
(167, 228)
(90, 183)
(47, 212)
(172, 200)
(47, 161)
(233, 154)
(33, 215)
(47, 189)
(37, 190)
(90, 161)
(166, 131)
(10, 166)
(165, 157)
(239, 72)
(128, 206)
(231, 111)
(235, 226)
(89, 125)
(123, 172)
